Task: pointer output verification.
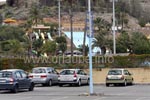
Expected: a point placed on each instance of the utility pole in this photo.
(90, 46)
(114, 29)
(71, 28)
(59, 18)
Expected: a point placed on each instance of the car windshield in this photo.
(67, 72)
(115, 72)
(40, 70)
(5, 74)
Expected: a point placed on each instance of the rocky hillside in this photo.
(20, 10)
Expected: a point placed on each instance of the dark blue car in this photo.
(14, 80)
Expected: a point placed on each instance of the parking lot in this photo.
(135, 92)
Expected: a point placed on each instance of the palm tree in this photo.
(35, 14)
(37, 45)
(71, 23)
(62, 43)
(84, 37)
(102, 29)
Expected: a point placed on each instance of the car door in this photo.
(19, 79)
(55, 75)
(52, 74)
(81, 75)
(25, 79)
(84, 76)
(128, 76)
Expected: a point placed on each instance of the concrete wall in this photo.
(140, 75)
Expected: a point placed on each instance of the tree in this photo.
(124, 43)
(11, 32)
(71, 2)
(37, 45)
(86, 49)
(49, 47)
(27, 44)
(12, 46)
(102, 29)
(121, 15)
(141, 44)
(35, 14)
(62, 43)
(1, 19)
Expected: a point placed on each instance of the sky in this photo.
(78, 40)
(2, 0)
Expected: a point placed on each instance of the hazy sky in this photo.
(2, 0)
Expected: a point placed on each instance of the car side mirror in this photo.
(130, 74)
(49, 72)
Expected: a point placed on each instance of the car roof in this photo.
(117, 69)
(12, 70)
(71, 69)
(42, 67)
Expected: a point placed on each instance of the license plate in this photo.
(114, 78)
(36, 76)
(67, 79)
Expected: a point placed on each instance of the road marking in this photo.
(140, 98)
(59, 98)
(100, 98)
(25, 98)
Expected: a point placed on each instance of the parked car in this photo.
(15, 79)
(73, 76)
(44, 75)
(119, 76)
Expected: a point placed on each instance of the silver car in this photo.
(44, 75)
(119, 76)
(73, 76)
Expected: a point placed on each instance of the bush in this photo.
(131, 61)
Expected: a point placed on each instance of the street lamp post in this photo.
(114, 28)
(59, 18)
(90, 46)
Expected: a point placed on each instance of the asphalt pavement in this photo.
(101, 92)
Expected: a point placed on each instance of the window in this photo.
(67, 72)
(115, 72)
(54, 72)
(18, 75)
(39, 70)
(126, 72)
(81, 72)
(24, 75)
(5, 74)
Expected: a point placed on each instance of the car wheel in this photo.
(49, 83)
(88, 82)
(31, 88)
(15, 89)
(107, 84)
(79, 83)
(125, 83)
(60, 85)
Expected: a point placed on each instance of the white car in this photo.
(73, 76)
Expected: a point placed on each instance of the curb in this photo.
(133, 83)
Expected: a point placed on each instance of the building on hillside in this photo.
(77, 27)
